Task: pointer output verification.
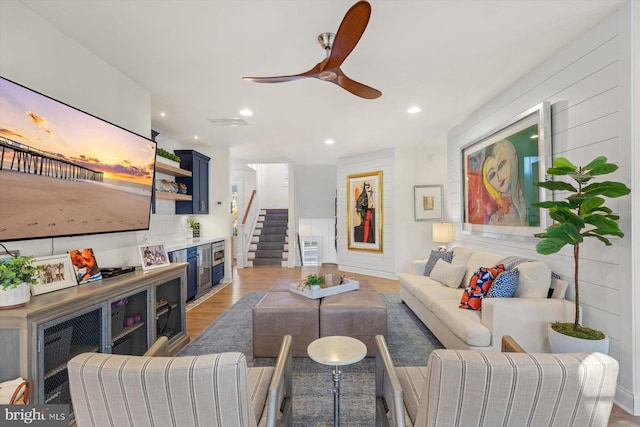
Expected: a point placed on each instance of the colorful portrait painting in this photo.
(364, 211)
(500, 176)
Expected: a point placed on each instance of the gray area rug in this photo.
(410, 343)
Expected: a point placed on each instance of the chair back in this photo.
(465, 387)
(118, 390)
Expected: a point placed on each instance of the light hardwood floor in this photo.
(260, 279)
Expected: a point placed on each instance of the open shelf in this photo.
(165, 195)
(127, 330)
(172, 170)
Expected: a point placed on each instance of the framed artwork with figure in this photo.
(500, 171)
(364, 211)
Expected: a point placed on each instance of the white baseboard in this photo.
(627, 401)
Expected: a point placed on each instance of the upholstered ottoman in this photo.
(356, 314)
(284, 313)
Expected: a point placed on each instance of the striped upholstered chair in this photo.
(209, 390)
(473, 388)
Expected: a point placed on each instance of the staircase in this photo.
(269, 243)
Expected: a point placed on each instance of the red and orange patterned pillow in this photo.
(479, 285)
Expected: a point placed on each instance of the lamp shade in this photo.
(442, 232)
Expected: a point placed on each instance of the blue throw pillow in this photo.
(505, 284)
(434, 257)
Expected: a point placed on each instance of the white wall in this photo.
(634, 318)
(273, 186)
(316, 203)
(588, 86)
(425, 164)
(37, 55)
(367, 262)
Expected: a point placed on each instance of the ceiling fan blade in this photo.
(279, 79)
(351, 29)
(356, 88)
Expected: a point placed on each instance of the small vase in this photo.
(561, 343)
(15, 297)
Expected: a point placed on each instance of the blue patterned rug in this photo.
(410, 343)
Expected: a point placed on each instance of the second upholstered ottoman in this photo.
(284, 313)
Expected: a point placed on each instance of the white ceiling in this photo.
(447, 57)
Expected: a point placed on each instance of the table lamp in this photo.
(442, 232)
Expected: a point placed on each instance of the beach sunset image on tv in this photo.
(66, 172)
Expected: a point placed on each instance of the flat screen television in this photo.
(64, 172)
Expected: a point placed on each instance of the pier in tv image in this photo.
(65, 172)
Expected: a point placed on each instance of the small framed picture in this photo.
(85, 265)
(57, 273)
(428, 203)
(153, 256)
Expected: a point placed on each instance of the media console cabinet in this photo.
(124, 315)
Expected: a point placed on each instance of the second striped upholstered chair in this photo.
(475, 388)
(208, 390)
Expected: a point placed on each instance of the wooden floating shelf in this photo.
(165, 195)
(172, 170)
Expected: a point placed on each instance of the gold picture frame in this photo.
(364, 211)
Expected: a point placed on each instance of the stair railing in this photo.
(246, 231)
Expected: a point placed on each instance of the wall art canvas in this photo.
(57, 273)
(153, 256)
(364, 211)
(428, 203)
(85, 265)
(500, 172)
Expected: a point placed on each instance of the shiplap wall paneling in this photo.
(588, 118)
(367, 262)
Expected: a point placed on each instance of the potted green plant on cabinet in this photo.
(581, 214)
(16, 276)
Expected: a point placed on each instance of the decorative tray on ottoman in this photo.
(346, 286)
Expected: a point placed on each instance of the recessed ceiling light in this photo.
(329, 141)
(195, 137)
(534, 137)
(413, 110)
(162, 114)
(246, 112)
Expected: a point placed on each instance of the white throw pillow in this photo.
(448, 274)
(534, 280)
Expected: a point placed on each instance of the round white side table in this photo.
(337, 351)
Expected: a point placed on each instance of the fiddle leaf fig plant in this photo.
(581, 214)
(17, 270)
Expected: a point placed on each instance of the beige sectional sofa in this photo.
(525, 316)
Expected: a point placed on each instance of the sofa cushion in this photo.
(558, 288)
(411, 282)
(534, 280)
(427, 295)
(478, 286)
(461, 255)
(448, 274)
(465, 324)
(434, 257)
(504, 286)
(480, 259)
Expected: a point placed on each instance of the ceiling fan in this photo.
(337, 46)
